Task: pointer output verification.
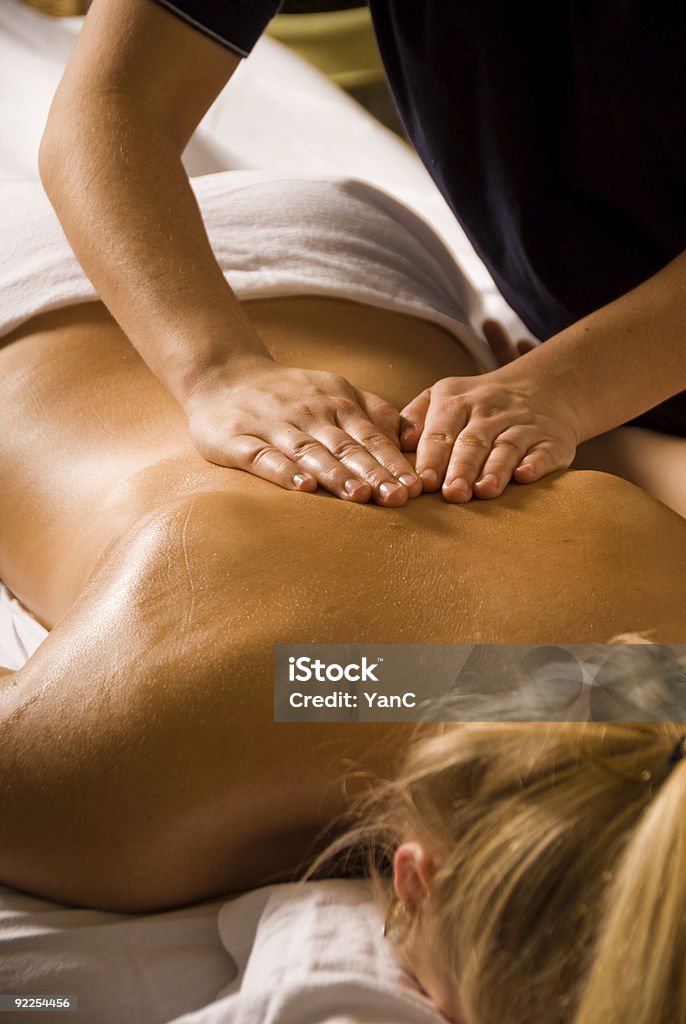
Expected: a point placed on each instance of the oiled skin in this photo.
(140, 764)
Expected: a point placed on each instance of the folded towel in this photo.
(312, 953)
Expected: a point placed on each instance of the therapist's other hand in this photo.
(301, 428)
(475, 434)
(504, 347)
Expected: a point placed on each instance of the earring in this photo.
(397, 923)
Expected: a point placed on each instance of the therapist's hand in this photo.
(504, 347)
(301, 428)
(475, 434)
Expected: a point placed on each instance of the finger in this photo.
(314, 458)
(525, 345)
(442, 427)
(352, 453)
(412, 420)
(499, 341)
(256, 456)
(509, 448)
(542, 459)
(382, 414)
(383, 451)
(470, 452)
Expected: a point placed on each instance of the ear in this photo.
(413, 871)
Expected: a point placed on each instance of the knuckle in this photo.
(334, 383)
(454, 404)
(444, 386)
(333, 476)
(344, 448)
(490, 409)
(473, 441)
(346, 407)
(375, 476)
(438, 437)
(510, 443)
(373, 441)
(305, 411)
(303, 447)
(260, 457)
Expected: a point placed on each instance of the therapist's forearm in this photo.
(122, 195)
(619, 361)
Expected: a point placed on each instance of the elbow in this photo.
(61, 147)
(50, 156)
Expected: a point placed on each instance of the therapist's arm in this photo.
(138, 83)
(525, 419)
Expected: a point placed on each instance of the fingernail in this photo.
(429, 477)
(354, 487)
(407, 480)
(489, 479)
(457, 488)
(387, 489)
(300, 480)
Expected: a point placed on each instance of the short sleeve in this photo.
(236, 24)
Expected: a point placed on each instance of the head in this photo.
(538, 870)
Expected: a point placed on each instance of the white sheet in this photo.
(123, 969)
(283, 954)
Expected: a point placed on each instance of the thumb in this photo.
(540, 460)
(412, 419)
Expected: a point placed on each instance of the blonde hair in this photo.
(560, 892)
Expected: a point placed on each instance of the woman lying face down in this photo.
(166, 581)
(140, 736)
(539, 871)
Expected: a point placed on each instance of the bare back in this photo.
(92, 445)
(168, 580)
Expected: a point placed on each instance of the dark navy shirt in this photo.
(556, 130)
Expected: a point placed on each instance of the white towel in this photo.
(272, 235)
(312, 954)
